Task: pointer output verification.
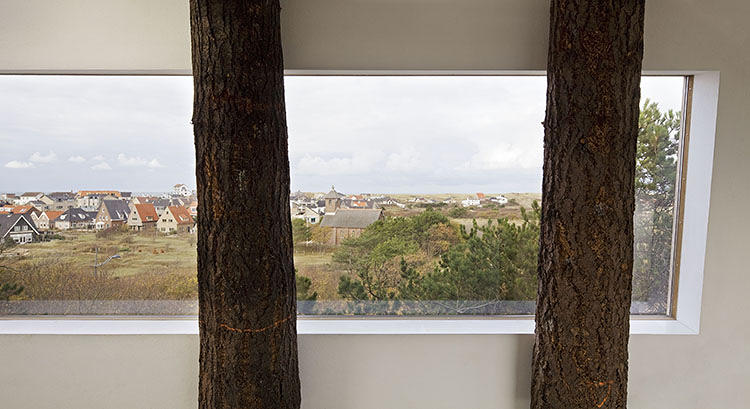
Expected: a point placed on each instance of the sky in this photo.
(436, 134)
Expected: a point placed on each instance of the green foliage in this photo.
(458, 212)
(493, 262)
(8, 290)
(300, 231)
(655, 184)
(304, 285)
(373, 257)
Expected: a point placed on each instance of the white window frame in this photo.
(689, 283)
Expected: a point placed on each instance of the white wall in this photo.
(704, 371)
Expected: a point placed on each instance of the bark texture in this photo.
(586, 253)
(246, 286)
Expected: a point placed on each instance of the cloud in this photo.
(102, 166)
(39, 158)
(14, 164)
(77, 159)
(137, 161)
(356, 164)
(124, 160)
(97, 158)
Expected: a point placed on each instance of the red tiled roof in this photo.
(147, 212)
(181, 215)
(99, 192)
(22, 209)
(52, 215)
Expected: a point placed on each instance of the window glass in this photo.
(410, 195)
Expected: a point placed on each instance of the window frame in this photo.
(689, 243)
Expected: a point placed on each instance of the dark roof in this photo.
(62, 196)
(352, 218)
(333, 194)
(29, 194)
(7, 221)
(76, 215)
(117, 209)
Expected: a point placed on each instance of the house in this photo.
(112, 213)
(305, 213)
(28, 197)
(499, 200)
(349, 223)
(75, 218)
(31, 212)
(8, 197)
(44, 220)
(193, 208)
(17, 227)
(161, 204)
(180, 190)
(61, 201)
(142, 217)
(175, 219)
(92, 201)
(468, 202)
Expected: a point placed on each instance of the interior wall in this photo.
(347, 371)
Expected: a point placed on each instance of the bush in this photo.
(458, 212)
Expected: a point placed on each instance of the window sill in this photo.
(319, 326)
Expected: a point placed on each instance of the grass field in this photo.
(139, 251)
(157, 266)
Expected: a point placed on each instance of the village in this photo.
(29, 216)
(148, 241)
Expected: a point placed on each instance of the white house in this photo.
(17, 227)
(499, 200)
(181, 190)
(470, 202)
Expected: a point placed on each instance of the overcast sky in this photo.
(362, 134)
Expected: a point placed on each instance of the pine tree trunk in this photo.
(586, 252)
(246, 286)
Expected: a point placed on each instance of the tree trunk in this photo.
(246, 286)
(586, 252)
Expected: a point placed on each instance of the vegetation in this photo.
(655, 184)
(444, 253)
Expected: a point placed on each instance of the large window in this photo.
(411, 195)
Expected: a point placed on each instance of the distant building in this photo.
(112, 213)
(91, 202)
(29, 197)
(349, 223)
(61, 201)
(181, 190)
(75, 218)
(193, 208)
(306, 214)
(142, 217)
(9, 197)
(44, 221)
(499, 200)
(333, 200)
(175, 219)
(468, 202)
(17, 227)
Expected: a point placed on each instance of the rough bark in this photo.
(586, 253)
(246, 286)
